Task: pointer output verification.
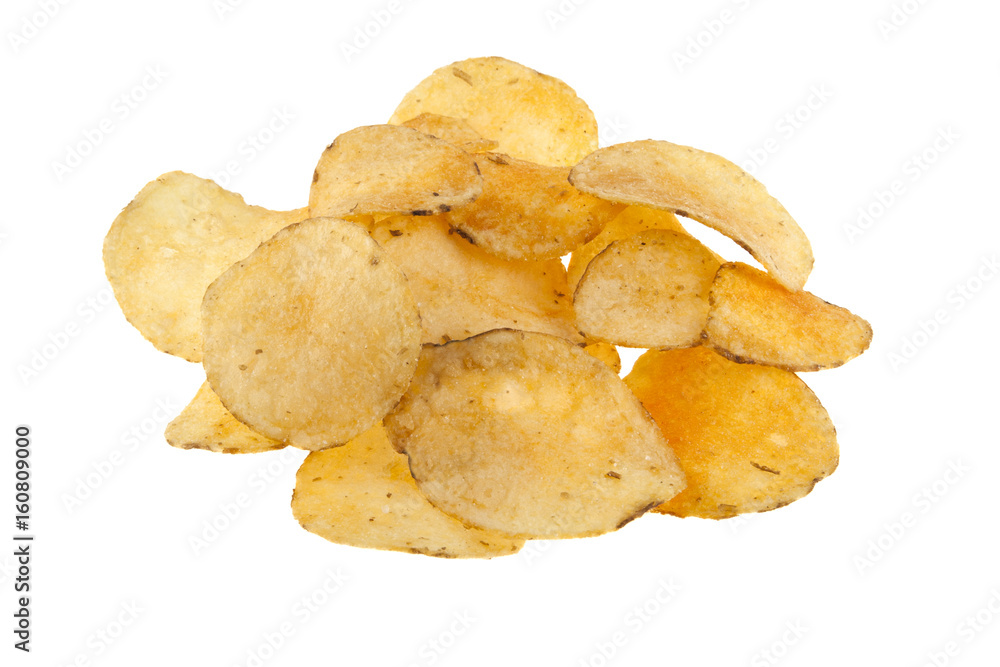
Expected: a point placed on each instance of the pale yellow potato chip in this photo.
(462, 290)
(607, 353)
(754, 319)
(206, 424)
(313, 337)
(749, 438)
(453, 130)
(527, 434)
(391, 169)
(362, 495)
(649, 290)
(704, 187)
(164, 249)
(533, 116)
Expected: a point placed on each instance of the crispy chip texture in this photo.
(165, 248)
(462, 290)
(754, 319)
(527, 434)
(453, 130)
(313, 337)
(649, 290)
(390, 169)
(533, 116)
(206, 424)
(362, 495)
(607, 353)
(749, 438)
(706, 188)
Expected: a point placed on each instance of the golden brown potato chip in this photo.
(649, 290)
(749, 438)
(313, 337)
(706, 188)
(362, 495)
(177, 236)
(533, 116)
(529, 211)
(206, 424)
(527, 434)
(607, 353)
(390, 169)
(453, 130)
(753, 319)
(462, 290)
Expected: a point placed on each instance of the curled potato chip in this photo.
(749, 438)
(533, 116)
(754, 319)
(706, 188)
(313, 337)
(362, 495)
(649, 290)
(206, 424)
(165, 248)
(529, 211)
(527, 434)
(607, 353)
(453, 130)
(390, 169)
(462, 290)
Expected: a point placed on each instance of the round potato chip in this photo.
(206, 424)
(533, 116)
(313, 338)
(453, 130)
(527, 434)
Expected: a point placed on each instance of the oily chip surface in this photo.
(531, 115)
(206, 424)
(313, 337)
(165, 248)
(362, 495)
(527, 434)
(749, 438)
(453, 130)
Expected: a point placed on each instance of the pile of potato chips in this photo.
(456, 383)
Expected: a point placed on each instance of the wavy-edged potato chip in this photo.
(529, 211)
(533, 116)
(391, 169)
(206, 424)
(527, 434)
(362, 495)
(607, 353)
(462, 290)
(648, 290)
(165, 248)
(749, 438)
(453, 130)
(313, 337)
(754, 319)
(704, 187)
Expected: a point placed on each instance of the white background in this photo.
(839, 567)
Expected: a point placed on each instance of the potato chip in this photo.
(206, 424)
(749, 438)
(362, 495)
(607, 353)
(453, 130)
(313, 337)
(390, 169)
(529, 211)
(649, 290)
(753, 319)
(462, 290)
(527, 434)
(533, 116)
(177, 236)
(706, 188)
